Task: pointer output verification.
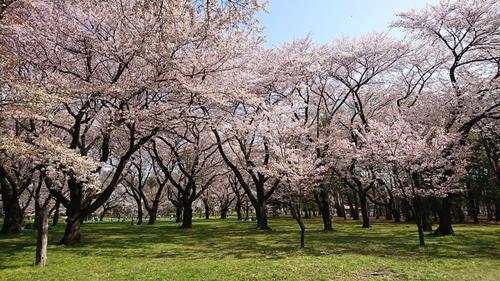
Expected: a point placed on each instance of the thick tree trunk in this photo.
(223, 212)
(323, 203)
(261, 214)
(73, 214)
(72, 231)
(396, 214)
(13, 217)
(407, 211)
(444, 213)
(364, 209)
(153, 213)
(388, 213)
(187, 215)
(178, 213)
(42, 237)
(207, 209)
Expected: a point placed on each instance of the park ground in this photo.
(232, 250)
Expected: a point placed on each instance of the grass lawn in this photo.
(232, 250)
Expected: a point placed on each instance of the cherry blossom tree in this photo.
(466, 34)
(118, 67)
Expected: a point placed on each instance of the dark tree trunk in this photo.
(353, 207)
(103, 214)
(247, 210)
(238, 208)
(388, 213)
(178, 213)
(153, 214)
(207, 209)
(364, 209)
(473, 203)
(187, 215)
(444, 213)
(407, 211)
(497, 208)
(140, 213)
(13, 217)
(55, 218)
(489, 212)
(323, 203)
(306, 214)
(261, 214)
(460, 215)
(72, 231)
(74, 216)
(223, 213)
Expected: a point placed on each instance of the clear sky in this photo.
(287, 20)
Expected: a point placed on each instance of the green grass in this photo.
(232, 250)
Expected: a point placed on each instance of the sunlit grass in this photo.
(232, 250)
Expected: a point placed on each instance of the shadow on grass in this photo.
(219, 239)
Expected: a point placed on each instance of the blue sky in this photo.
(287, 20)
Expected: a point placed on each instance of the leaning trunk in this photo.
(298, 218)
(238, 209)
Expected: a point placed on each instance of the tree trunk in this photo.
(139, 211)
(73, 214)
(497, 208)
(261, 214)
(444, 213)
(420, 230)
(72, 231)
(55, 218)
(103, 214)
(42, 237)
(238, 208)
(388, 213)
(178, 213)
(407, 211)
(321, 197)
(298, 218)
(153, 213)
(207, 209)
(223, 211)
(13, 217)
(364, 210)
(187, 215)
